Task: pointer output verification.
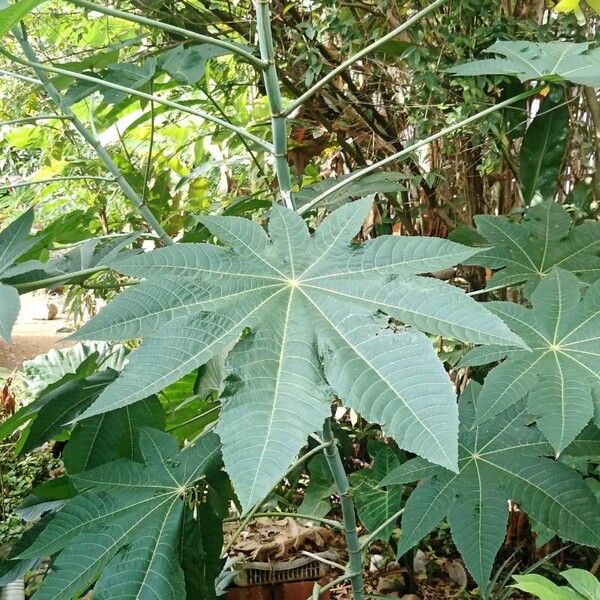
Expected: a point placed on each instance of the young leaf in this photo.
(575, 62)
(528, 251)
(498, 460)
(124, 528)
(563, 365)
(296, 294)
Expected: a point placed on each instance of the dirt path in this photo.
(33, 333)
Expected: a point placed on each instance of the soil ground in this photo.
(34, 333)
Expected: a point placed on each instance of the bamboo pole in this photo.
(334, 460)
(278, 118)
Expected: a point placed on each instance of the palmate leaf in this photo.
(302, 298)
(526, 252)
(531, 60)
(123, 530)
(563, 365)
(498, 460)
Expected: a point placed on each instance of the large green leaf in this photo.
(563, 365)
(531, 60)
(298, 297)
(527, 252)
(498, 460)
(11, 15)
(544, 146)
(123, 530)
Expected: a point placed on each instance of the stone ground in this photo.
(33, 333)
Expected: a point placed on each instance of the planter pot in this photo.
(300, 590)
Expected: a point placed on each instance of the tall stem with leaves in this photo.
(334, 461)
(92, 140)
(278, 119)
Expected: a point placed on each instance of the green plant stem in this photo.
(356, 57)
(257, 515)
(21, 77)
(278, 119)
(54, 180)
(42, 283)
(192, 35)
(40, 67)
(373, 535)
(103, 155)
(252, 513)
(35, 119)
(334, 460)
(413, 147)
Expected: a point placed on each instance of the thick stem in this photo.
(334, 460)
(594, 107)
(192, 35)
(278, 119)
(103, 155)
(356, 57)
(413, 147)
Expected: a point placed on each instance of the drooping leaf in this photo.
(575, 62)
(124, 528)
(319, 489)
(563, 365)
(527, 252)
(299, 296)
(500, 459)
(374, 183)
(544, 146)
(376, 504)
(13, 13)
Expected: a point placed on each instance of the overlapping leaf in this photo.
(14, 243)
(124, 530)
(500, 459)
(563, 365)
(575, 62)
(305, 299)
(526, 252)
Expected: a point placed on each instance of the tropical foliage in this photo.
(295, 217)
